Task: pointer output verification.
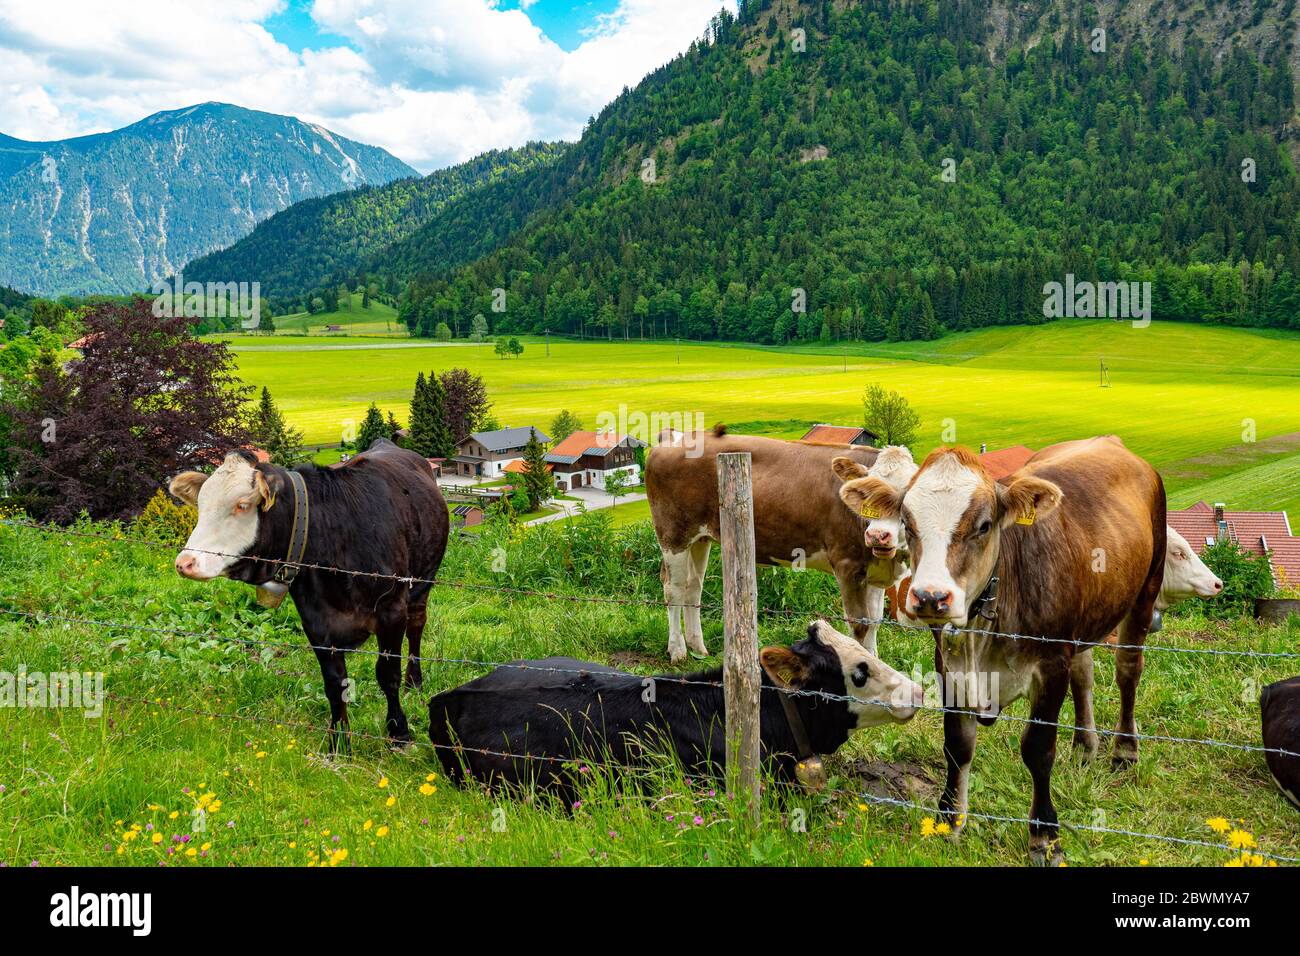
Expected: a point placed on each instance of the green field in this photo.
(210, 694)
(1180, 395)
(378, 319)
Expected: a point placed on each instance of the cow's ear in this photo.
(1027, 499)
(268, 487)
(871, 497)
(185, 486)
(784, 666)
(846, 469)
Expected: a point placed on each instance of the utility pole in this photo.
(548, 343)
(678, 340)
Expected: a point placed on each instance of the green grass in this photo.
(206, 714)
(378, 319)
(1177, 392)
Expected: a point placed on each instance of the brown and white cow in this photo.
(1068, 548)
(1186, 576)
(797, 519)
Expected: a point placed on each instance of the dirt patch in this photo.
(630, 660)
(1237, 456)
(902, 780)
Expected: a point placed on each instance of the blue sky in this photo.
(434, 82)
(566, 22)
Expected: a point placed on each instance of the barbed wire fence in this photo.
(43, 616)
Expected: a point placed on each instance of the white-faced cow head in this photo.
(229, 501)
(953, 515)
(895, 467)
(1185, 573)
(827, 660)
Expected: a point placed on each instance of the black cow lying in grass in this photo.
(1279, 711)
(562, 709)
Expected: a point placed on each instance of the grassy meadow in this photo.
(214, 702)
(1183, 396)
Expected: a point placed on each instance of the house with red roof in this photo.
(1258, 532)
(840, 435)
(586, 459)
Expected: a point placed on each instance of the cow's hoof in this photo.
(400, 741)
(1122, 760)
(413, 679)
(676, 656)
(1048, 855)
(1086, 747)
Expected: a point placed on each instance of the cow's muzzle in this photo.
(188, 566)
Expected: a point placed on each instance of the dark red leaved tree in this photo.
(142, 403)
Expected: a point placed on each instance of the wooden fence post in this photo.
(741, 680)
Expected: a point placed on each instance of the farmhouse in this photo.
(586, 459)
(486, 454)
(841, 435)
(1259, 532)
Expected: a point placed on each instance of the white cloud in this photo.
(432, 81)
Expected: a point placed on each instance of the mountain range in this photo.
(875, 169)
(865, 169)
(115, 212)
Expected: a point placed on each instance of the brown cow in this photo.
(1069, 547)
(797, 518)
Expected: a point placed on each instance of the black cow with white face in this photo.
(560, 709)
(381, 513)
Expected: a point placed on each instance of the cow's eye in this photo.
(860, 675)
(985, 526)
(242, 506)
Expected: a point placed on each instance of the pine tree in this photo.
(539, 483)
(372, 428)
(268, 428)
(429, 434)
(441, 441)
(419, 437)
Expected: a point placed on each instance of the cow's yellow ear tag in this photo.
(869, 512)
(1029, 517)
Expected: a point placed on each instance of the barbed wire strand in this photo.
(648, 602)
(658, 678)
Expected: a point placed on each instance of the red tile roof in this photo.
(1254, 531)
(518, 466)
(580, 443)
(1004, 461)
(832, 434)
